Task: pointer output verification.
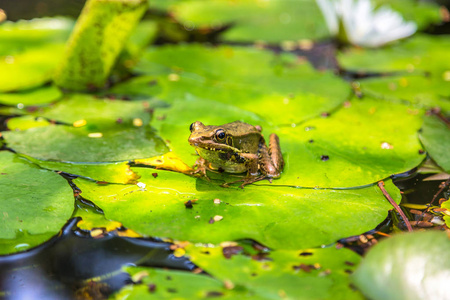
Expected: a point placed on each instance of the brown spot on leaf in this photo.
(214, 294)
(228, 252)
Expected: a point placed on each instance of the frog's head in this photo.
(211, 138)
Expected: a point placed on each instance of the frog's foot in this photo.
(200, 169)
(201, 172)
(245, 181)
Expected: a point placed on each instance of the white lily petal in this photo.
(364, 25)
(329, 15)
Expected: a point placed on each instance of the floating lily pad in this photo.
(280, 88)
(421, 53)
(68, 144)
(170, 284)
(305, 274)
(35, 203)
(268, 214)
(422, 91)
(407, 266)
(435, 136)
(97, 112)
(354, 146)
(26, 122)
(30, 51)
(250, 20)
(37, 96)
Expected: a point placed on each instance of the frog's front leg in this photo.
(271, 162)
(200, 168)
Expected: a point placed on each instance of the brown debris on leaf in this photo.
(228, 252)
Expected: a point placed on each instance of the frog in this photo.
(236, 147)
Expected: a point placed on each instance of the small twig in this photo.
(443, 186)
(397, 208)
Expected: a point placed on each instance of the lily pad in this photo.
(435, 136)
(98, 113)
(268, 214)
(36, 96)
(250, 20)
(26, 122)
(35, 203)
(406, 266)
(30, 51)
(280, 88)
(305, 274)
(68, 144)
(168, 284)
(421, 53)
(422, 91)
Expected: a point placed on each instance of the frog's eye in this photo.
(191, 127)
(220, 135)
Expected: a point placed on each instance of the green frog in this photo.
(236, 147)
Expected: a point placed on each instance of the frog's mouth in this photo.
(198, 144)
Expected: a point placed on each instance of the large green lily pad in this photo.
(34, 203)
(268, 214)
(305, 274)
(407, 266)
(30, 51)
(110, 131)
(435, 136)
(280, 88)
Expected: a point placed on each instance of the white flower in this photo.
(356, 22)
